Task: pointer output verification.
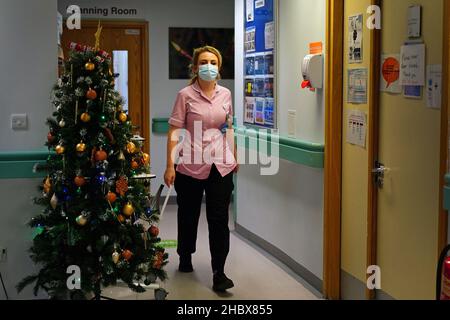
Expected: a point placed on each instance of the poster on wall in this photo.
(259, 59)
(357, 128)
(412, 65)
(183, 41)
(357, 86)
(355, 41)
(390, 73)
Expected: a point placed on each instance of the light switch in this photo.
(19, 122)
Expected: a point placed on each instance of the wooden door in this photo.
(131, 37)
(409, 147)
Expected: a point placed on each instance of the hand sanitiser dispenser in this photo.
(312, 70)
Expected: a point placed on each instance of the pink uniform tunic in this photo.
(203, 144)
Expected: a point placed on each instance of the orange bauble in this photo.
(79, 181)
(123, 117)
(127, 254)
(101, 155)
(85, 117)
(111, 197)
(128, 210)
(146, 158)
(134, 165)
(60, 149)
(91, 94)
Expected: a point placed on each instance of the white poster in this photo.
(390, 73)
(269, 35)
(355, 41)
(357, 86)
(434, 86)
(357, 128)
(250, 41)
(414, 21)
(412, 65)
(250, 11)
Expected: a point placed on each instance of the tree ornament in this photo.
(103, 121)
(89, 66)
(85, 117)
(91, 94)
(111, 197)
(123, 117)
(81, 220)
(131, 147)
(128, 209)
(47, 185)
(121, 156)
(60, 149)
(145, 159)
(62, 123)
(115, 257)
(154, 231)
(121, 218)
(101, 155)
(54, 201)
(127, 255)
(81, 147)
(50, 137)
(79, 181)
(122, 185)
(134, 164)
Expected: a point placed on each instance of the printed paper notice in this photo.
(270, 35)
(260, 3)
(250, 11)
(434, 86)
(355, 41)
(390, 73)
(412, 66)
(357, 128)
(250, 42)
(249, 110)
(357, 86)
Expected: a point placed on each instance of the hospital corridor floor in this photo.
(256, 274)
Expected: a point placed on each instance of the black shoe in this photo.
(221, 283)
(185, 264)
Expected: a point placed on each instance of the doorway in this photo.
(127, 42)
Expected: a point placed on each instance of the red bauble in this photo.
(111, 197)
(50, 137)
(91, 94)
(127, 254)
(134, 165)
(101, 155)
(79, 181)
(154, 231)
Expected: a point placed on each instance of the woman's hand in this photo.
(169, 177)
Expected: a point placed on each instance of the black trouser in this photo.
(218, 191)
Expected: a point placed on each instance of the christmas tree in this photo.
(98, 212)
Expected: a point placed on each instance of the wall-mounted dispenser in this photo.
(312, 70)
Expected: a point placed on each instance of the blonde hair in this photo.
(196, 56)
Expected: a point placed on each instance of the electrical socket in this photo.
(3, 254)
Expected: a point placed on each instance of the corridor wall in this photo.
(284, 213)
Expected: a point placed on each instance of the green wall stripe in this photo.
(20, 164)
(160, 125)
(293, 150)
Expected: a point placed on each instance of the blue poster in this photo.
(259, 46)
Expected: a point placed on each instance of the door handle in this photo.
(379, 171)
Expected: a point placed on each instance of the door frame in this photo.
(443, 215)
(333, 149)
(145, 85)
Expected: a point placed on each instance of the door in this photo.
(127, 42)
(409, 147)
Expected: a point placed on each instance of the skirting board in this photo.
(354, 289)
(304, 273)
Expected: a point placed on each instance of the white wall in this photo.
(161, 15)
(28, 69)
(287, 209)
(28, 64)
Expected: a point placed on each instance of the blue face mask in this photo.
(208, 72)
